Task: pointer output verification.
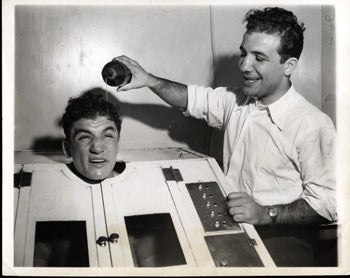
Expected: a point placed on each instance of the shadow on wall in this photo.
(227, 74)
(189, 131)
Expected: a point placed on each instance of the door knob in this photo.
(102, 241)
(113, 238)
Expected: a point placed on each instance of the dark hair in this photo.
(89, 106)
(281, 22)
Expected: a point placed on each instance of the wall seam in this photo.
(213, 52)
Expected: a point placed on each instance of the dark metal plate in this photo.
(211, 206)
(233, 250)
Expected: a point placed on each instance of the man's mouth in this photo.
(97, 161)
(249, 81)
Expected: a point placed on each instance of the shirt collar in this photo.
(278, 110)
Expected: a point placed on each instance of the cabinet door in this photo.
(59, 221)
(216, 240)
(140, 209)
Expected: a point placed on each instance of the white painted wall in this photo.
(328, 73)
(60, 52)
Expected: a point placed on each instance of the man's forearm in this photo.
(298, 212)
(172, 92)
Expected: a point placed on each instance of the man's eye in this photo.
(83, 137)
(259, 59)
(109, 135)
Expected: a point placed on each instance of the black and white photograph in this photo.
(175, 138)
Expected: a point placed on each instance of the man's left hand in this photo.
(243, 208)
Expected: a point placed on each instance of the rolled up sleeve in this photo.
(318, 170)
(197, 102)
(212, 105)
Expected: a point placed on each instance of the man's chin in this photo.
(100, 173)
(91, 175)
(98, 177)
(250, 92)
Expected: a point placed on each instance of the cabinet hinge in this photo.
(22, 179)
(172, 174)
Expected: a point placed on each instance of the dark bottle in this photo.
(116, 74)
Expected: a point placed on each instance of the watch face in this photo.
(273, 212)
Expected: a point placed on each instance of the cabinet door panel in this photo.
(138, 194)
(48, 208)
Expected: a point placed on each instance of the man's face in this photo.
(93, 145)
(263, 74)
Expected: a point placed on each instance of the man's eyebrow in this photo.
(261, 54)
(109, 128)
(256, 53)
(81, 130)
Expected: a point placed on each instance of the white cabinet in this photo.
(146, 217)
(53, 198)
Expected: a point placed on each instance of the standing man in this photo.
(279, 150)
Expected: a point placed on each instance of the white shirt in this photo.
(277, 153)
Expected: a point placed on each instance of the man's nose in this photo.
(97, 146)
(245, 64)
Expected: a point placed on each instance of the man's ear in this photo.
(66, 147)
(290, 65)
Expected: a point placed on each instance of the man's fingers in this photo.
(124, 88)
(238, 213)
(236, 202)
(238, 217)
(125, 60)
(236, 210)
(122, 59)
(234, 195)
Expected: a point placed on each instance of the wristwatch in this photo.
(273, 212)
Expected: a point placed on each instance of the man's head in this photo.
(270, 50)
(92, 129)
(280, 22)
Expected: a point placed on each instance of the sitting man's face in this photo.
(93, 145)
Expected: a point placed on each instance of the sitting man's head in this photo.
(92, 129)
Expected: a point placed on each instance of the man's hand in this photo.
(243, 208)
(174, 93)
(140, 77)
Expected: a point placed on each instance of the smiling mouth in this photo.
(248, 81)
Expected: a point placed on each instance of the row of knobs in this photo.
(210, 204)
(102, 240)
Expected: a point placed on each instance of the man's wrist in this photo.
(153, 81)
(265, 218)
(270, 215)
